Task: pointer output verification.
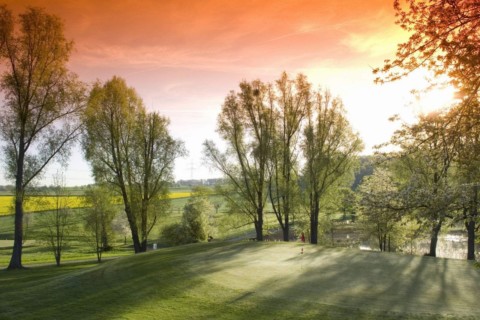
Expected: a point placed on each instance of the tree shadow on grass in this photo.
(115, 288)
(383, 284)
(247, 279)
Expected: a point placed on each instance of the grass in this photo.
(241, 280)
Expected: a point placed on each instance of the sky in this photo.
(184, 56)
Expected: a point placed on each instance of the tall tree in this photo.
(245, 124)
(467, 135)
(151, 173)
(107, 143)
(292, 101)
(381, 206)
(427, 154)
(444, 38)
(330, 148)
(42, 100)
(132, 150)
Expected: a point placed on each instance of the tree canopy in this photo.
(444, 39)
(42, 101)
(132, 150)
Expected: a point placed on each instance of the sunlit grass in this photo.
(246, 280)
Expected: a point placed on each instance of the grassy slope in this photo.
(244, 280)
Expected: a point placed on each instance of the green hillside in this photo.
(246, 280)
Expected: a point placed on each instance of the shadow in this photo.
(246, 279)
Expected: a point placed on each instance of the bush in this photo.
(175, 234)
(195, 225)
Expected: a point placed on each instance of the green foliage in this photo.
(245, 124)
(197, 223)
(381, 209)
(330, 148)
(98, 218)
(42, 101)
(443, 39)
(176, 234)
(56, 223)
(195, 219)
(132, 150)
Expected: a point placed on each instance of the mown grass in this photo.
(242, 280)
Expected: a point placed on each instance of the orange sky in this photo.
(184, 56)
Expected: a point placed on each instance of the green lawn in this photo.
(246, 280)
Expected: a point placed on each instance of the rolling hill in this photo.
(246, 280)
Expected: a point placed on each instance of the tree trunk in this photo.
(143, 245)
(434, 239)
(314, 225)
(16, 259)
(258, 230)
(134, 230)
(58, 256)
(259, 220)
(286, 228)
(99, 255)
(470, 225)
(131, 219)
(144, 231)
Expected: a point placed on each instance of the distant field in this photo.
(45, 203)
(41, 203)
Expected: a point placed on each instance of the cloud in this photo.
(375, 37)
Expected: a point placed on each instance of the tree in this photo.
(444, 39)
(109, 122)
(132, 150)
(427, 155)
(41, 104)
(120, 226)
(292, 102)
(245, 124)
(56, 223)
(98, 218)
(196, 214)
(381, 207)
(151, 173)
(467, 134)
(329, 149)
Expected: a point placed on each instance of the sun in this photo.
(435, 99)
(426, 98)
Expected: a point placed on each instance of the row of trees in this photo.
(47, 109)
(95, 225)
(287, 145)
(432, 179)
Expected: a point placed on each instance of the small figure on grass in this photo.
(302, 239)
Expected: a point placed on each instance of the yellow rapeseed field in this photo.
(44, 203)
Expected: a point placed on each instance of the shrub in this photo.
(195, 225)
(175, 234)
